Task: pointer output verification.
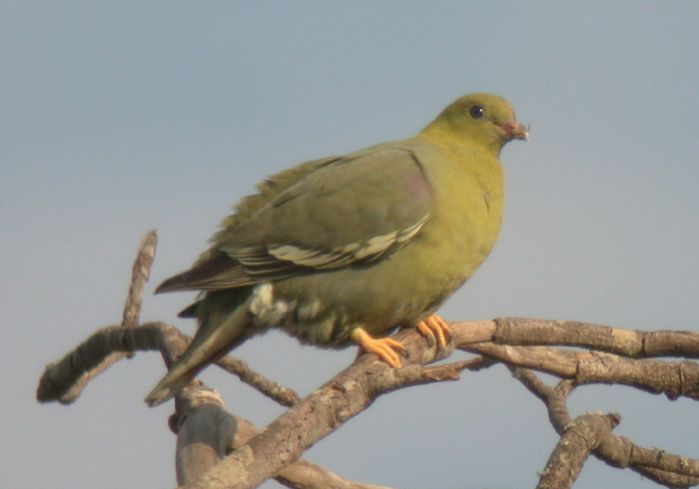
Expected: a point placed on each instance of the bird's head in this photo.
(479, 118)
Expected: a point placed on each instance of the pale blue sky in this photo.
(119, 117)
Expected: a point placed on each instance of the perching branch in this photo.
(626, 342)
(323, 411)
(206, 431)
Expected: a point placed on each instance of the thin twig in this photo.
(274, 390)
(132, 310)
(116, 341)
(140, 273)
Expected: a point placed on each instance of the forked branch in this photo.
(207, 433)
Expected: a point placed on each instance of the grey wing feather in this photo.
(319, 223)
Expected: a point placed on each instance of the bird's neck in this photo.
(446, 138)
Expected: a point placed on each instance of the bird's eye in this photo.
(476, 111)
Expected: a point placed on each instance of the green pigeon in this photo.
(346, 249)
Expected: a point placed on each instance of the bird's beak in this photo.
(516, 130)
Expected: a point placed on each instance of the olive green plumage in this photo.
(375, 239)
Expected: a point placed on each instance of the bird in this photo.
(344, 250)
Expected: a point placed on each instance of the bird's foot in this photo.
(435, 329)
(387, 349)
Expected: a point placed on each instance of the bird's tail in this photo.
(211, 341)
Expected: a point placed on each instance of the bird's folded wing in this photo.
(355, 210)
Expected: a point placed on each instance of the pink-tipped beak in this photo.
(516, 130)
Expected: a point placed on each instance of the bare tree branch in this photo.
(578, 439)
(674, 379)
(207, 432)
(323, 411)
(583, 367)
(60, 377)
(132, 309)
(617, 451)
(274, 390)
(625, 342)
(140, 273)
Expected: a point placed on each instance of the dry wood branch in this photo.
(617, 451)
(273, 390)
(323, 411)
(207, 432)
(301, 474)
(140, 273)
(541, 332)
(166, 338)
(562, 363)
(626, 342)
(674, 379)
(60, 377)
(658, 465)
(392, 379)
(578, 439)
(553, 398)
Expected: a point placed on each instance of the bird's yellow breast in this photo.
(467, 209)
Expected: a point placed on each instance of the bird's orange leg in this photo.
(387, 349)
(434, 328)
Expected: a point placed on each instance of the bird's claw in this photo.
(387, 349)
(435, 329)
